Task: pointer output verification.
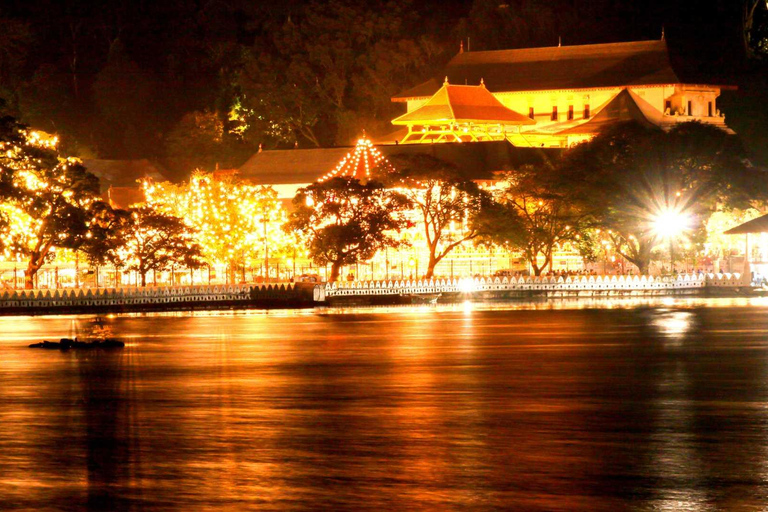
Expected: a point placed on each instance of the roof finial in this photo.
(482, 82)
(559, 41)
(446, 80)
(461, 46)
(662, 33)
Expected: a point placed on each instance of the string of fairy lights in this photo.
(233, 220)
(359, 162)
(23, 232)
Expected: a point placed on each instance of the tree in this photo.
(446, 201)
(201, 138)
(328, 71)
(529, 216)
(232, 219)
(127, 101)
(107, 236)
(346, 221)
(49, 201)
(632, 179)
(14, 44)
(154, 241)
(755, 28)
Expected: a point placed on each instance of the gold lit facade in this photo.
(566, 92)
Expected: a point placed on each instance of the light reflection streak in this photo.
(674, 324)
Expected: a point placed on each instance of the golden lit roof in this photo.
(463, 104)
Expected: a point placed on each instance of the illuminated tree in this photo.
(446, 202)
(108, 235)
(233, 220)
(49, 201)
(346, 221)
(154, 241)
(529, 217)
(638, 183)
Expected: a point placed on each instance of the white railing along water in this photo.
(606, 283)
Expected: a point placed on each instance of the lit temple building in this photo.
(553, 96)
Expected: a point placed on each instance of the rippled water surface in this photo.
(660, 406)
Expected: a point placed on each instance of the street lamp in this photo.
(669, 224)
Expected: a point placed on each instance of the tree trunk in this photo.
(335, 268)
(432, 264)
(143, 278)
(29, 275)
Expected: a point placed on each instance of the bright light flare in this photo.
(466, 285)
(671, 223)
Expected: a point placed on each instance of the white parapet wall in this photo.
(103, 297)
(598, 284)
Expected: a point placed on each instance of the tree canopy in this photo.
(632, 179)
(346, 221)
(233, 220)
(446, 200)
(529, 216)
(49, 201)
(154, 241)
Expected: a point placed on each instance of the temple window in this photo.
(709, 109)
(531, 114)
(570, 112)
(586, 111)
(554, 113)
(668, 107)
(690, 108)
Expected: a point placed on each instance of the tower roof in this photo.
(463, 104)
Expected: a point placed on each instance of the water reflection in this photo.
(674, 323)
(645, 405)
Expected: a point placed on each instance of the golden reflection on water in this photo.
(542, 406)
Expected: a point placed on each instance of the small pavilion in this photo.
(461, 113)
(754, 226)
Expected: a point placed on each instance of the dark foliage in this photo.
(346, 221)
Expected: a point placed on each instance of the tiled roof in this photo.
(463, 103)
(289, 166)
(301, 166)
(124, 197)
(758, 225)
(621, 108)
(558, 67)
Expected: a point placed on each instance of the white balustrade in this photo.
(602, 284)
(65, 298)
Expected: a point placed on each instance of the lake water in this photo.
(546, 406)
